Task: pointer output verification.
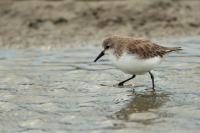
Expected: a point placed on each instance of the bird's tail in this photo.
(173, 49)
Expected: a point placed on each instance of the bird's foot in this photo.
(124, 85)
(120, 84)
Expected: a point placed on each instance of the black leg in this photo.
(152, 79)
(122, 83)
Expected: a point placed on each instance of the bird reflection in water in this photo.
(142, 105)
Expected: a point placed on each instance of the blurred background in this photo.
(29, 23)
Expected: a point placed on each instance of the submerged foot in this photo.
(121, 84)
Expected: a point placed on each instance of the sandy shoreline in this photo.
(57, 23)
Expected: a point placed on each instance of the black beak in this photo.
(99, 56)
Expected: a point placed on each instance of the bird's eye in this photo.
(107, 47)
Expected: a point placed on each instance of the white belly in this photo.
(131, 64)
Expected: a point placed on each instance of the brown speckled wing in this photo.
(146, 49)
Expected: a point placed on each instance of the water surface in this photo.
(43, 91)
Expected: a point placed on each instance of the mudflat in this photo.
(58, 23)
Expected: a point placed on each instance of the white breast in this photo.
(132, 64)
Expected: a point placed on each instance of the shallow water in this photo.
(43, 91)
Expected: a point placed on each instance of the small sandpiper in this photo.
(134, 56)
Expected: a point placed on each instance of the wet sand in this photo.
(48, 91)
(60, 23)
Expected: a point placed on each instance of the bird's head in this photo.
(108, 47)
